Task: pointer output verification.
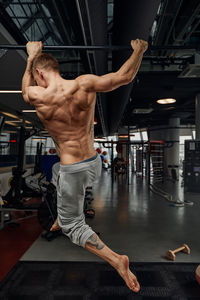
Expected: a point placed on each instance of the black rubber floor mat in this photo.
(98, 281)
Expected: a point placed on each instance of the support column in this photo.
(172, 153)
(197, 116)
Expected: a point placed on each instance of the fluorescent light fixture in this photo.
(123, 136)
(10, 123)
(39, 139)
(20, 121)
(9, 115)
(11, 92)
(16, 121)
(10, 131)
(28, 110)
(166, 101)
(99, 139)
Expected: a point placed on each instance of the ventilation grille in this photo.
(142, 110)
(192, 71)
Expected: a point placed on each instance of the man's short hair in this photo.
(45, 61)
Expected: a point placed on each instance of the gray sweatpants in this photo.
(71, 184)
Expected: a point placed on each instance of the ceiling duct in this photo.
(192, 70)
(132, 19)
(93, 17)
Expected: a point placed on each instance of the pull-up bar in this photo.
(104, 48)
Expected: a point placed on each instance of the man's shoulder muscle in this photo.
(36, 94)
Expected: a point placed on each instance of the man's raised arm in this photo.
(33, 49)
(123, 76)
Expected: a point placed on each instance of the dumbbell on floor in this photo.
(171, 253)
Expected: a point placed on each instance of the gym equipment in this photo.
(20, 186)
(192, 166)
(5, 218)
(88, 211)
(47, 212)
(171, 253)
(197, 273)
(100, 47)
(2, 119)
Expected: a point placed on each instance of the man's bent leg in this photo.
(76, 229)
(119, 262)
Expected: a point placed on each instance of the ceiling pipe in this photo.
(132, 19)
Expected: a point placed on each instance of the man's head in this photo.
(41, 66)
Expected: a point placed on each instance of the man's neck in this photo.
(52, 78)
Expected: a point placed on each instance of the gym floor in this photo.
(133, 221)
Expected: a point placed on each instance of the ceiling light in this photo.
(123, 136)
(99, 139)
(11, 92)
(9, 115)
(10, 123)
(166, 101)
(29, 111)
(16, 121)
(39, 139)
(10, 131)
(20, 120)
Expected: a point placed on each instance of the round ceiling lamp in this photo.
(166, 101)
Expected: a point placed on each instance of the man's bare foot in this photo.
(55, 226)
(126, 274)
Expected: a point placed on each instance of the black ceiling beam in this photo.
(30, 21)
(130, 21)
(184, 26)
(177, 8)
(93, 20)
(62, 24)
(8, 23)
(160, 21)
(7, 3)
(48, 24)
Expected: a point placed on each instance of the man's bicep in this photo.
(94, 83)
(103, 83)
(108, 82)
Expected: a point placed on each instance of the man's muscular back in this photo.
(67, 112)
(66, 107)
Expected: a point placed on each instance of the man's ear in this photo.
(39, 73)
(42, 75)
